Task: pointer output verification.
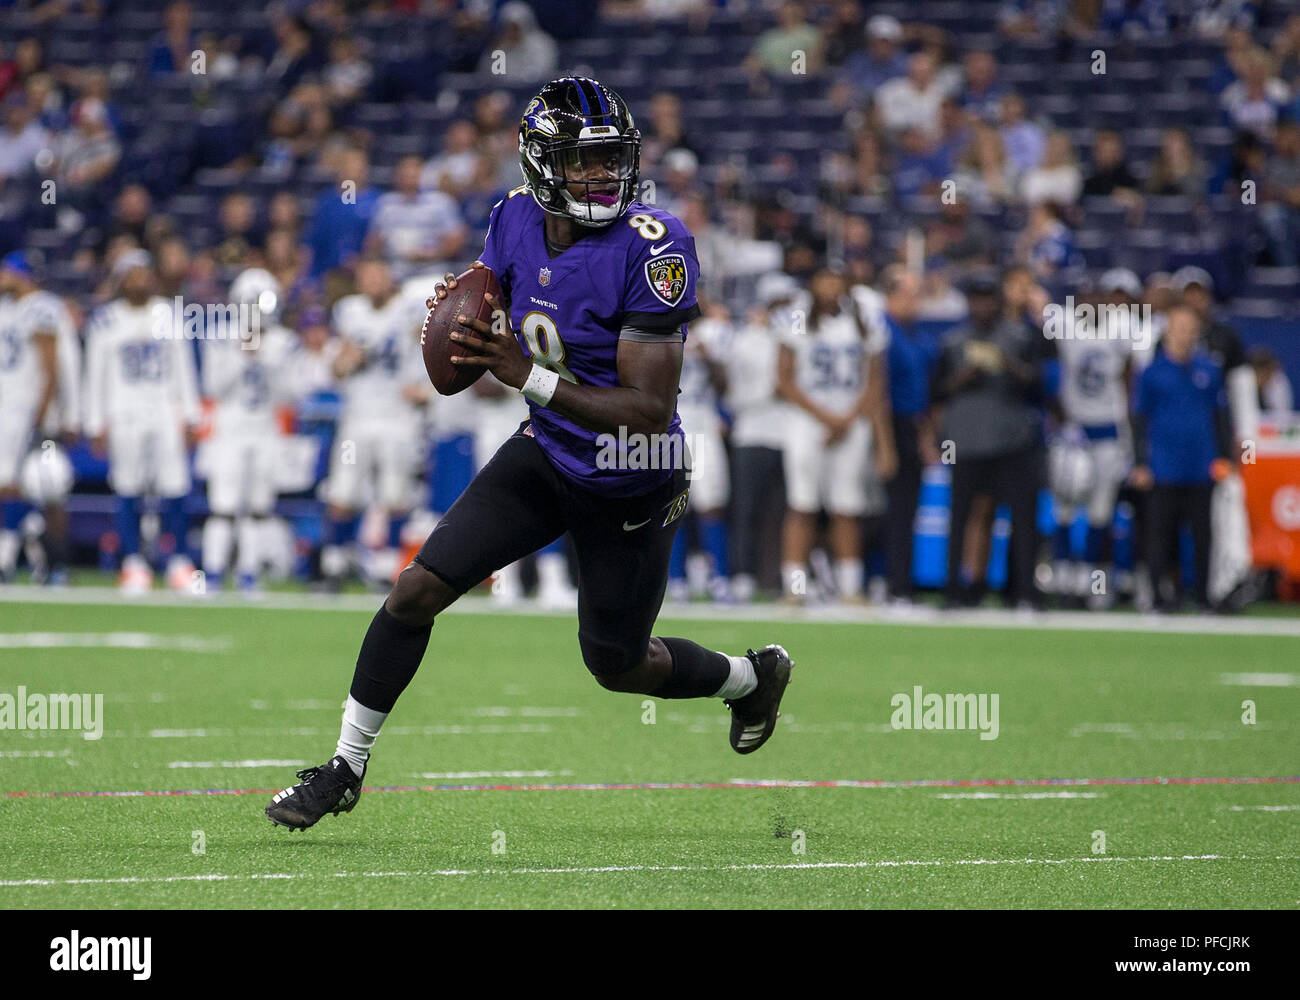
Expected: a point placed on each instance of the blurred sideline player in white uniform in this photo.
(831, 368)
(385, 390)
(308, 367)
(246, 379)
(32, 323)
(871, 307)
(703, 383)
(142, 407)
(757, 424)
(1093, 454)
(48, 475)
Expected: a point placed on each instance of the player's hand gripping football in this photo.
(491, 346)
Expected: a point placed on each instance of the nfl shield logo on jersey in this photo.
(667, 277)
(544, 277)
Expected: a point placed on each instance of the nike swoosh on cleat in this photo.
(633, 527)
(654, 251)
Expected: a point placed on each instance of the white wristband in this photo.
(541, 385)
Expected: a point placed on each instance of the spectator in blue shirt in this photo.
(921, 165)
(172, 48)
(1135, 18)
(911, 357)
(1046, 246)
(882, 60)
(338, 227)
(1181, 431)
(1023, 140)
(981, 92)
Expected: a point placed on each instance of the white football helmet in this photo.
(1071, 472)
(46, 476)
(258, 286)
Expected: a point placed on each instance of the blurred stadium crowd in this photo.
(883, 196)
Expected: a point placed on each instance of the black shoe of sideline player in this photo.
(754, 716)
(330, 789)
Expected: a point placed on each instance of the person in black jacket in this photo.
(988, 386)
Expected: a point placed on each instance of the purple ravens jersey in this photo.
(569, 311)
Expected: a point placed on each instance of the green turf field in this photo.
(215, 693)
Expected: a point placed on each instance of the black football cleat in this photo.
(754, 716)
(329, 789)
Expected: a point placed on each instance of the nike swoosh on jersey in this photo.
(633, 527)
(654, 251)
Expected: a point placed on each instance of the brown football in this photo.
(468, 299)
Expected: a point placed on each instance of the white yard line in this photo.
(1260, 680)
(1021, 795)
(610, 869)
(492, 774)
(478, 729)
(1090, 621)
(1276, 809)
(35, 753)
(206, 764)
(1162, 731)
(115, 640)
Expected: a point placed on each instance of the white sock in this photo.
(793, 574)
(553, 572)
(250, 551)
(740, 681)
(218, 534)
(333, 561)
(506, 586)
(848, 577)
(357, 734)
(9, 544)
(698, 567)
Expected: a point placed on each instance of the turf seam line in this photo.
(607, 869)
(699, 785)
(1070, 621)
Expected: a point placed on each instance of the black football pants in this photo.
(519, 503)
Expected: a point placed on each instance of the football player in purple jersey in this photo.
(598, 290)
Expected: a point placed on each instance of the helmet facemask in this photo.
(603, 170)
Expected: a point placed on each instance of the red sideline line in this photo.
(655, 785)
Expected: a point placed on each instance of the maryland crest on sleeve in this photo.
(667, 277)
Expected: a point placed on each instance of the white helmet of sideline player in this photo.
(46, 476)
(1120, 279)
(258, 286)
(1071, 472)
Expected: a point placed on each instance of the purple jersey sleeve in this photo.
(662, 274)
(493, 256)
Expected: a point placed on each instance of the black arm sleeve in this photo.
(670, 320)
(943, 368)
(1223, 437)
(1141, 445)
